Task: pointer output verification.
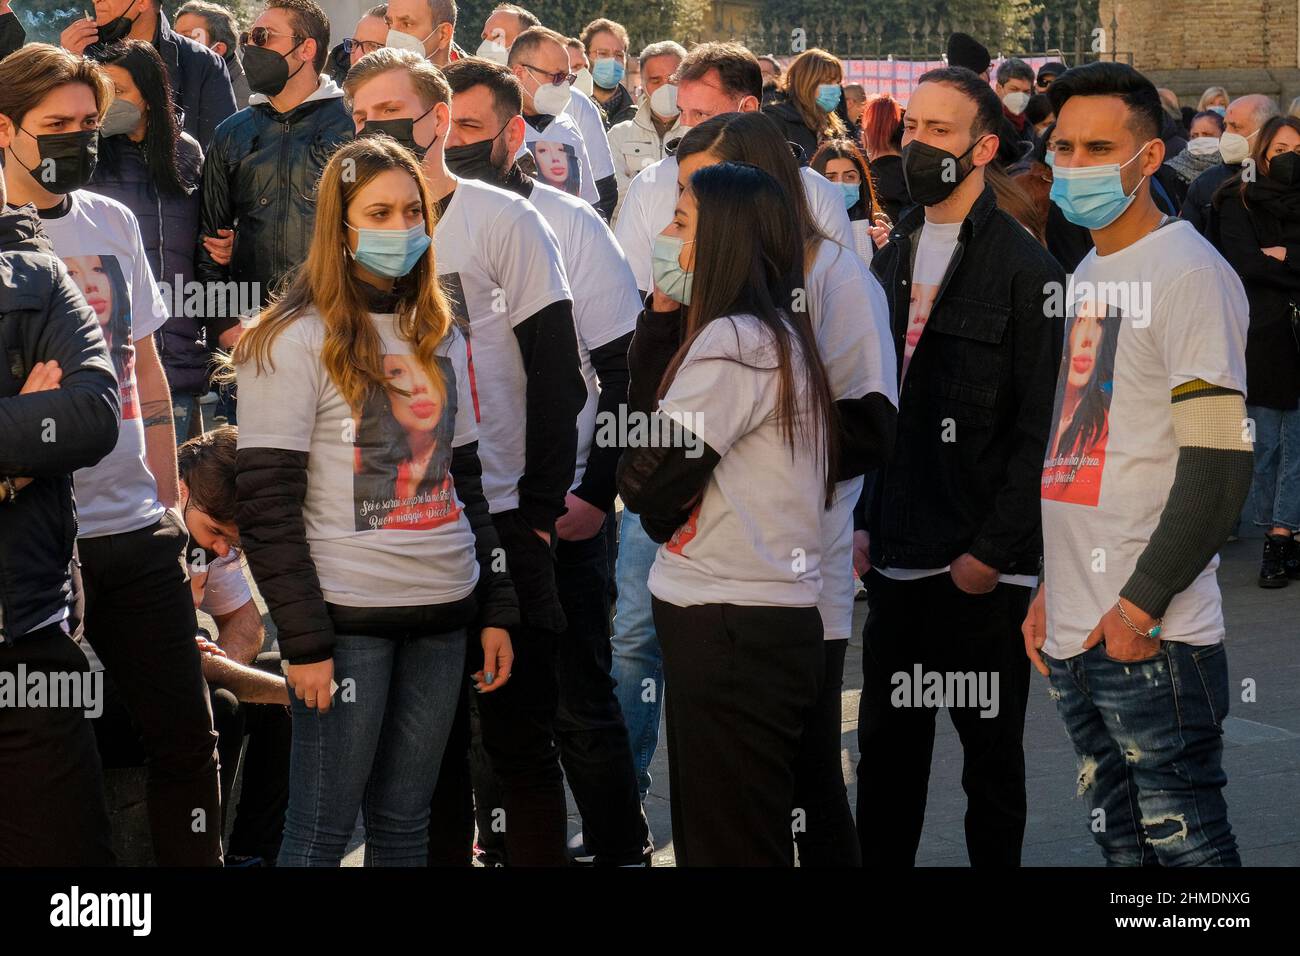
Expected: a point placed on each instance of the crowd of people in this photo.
(1007, 361)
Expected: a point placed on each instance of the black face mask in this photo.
(474, 161)
(402, 130)
(268, 71)
(117, 28)
(932, 173)
(67, 159)
(1284, 169)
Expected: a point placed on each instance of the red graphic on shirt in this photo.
(918, 313)
(401, 478)
(686, 533)
(104, 288)
(1076, 456)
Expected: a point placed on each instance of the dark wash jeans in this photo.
(932, 623)
(377, 752)
(139, 618)
(1149, 735)
(52, 809)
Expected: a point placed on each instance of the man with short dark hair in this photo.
(953, 545)
(215, 27)
(1148, 465)
(606, 43)
(1015, 84)
(259, 177)
(199, 79)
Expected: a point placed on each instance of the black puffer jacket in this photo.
(259, 179)
(43, 317)
(169, 227)
(792, 125)
(200, 81)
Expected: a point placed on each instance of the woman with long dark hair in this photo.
(1259, 231)
(734, 489)
(147, 163)
(381, 609)
(843, 164)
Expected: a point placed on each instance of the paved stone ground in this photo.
(1262, 755)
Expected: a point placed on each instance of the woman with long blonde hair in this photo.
(361, 509)
(809, 106)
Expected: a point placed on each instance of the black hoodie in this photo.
(47, 435)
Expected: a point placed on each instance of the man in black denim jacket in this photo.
(954, 532)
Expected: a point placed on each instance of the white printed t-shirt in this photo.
(499, 263)
(384, 523)
(605, 298)
(747, 541)
(1162, 312)
(98, 240)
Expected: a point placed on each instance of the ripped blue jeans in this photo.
(1149, 736)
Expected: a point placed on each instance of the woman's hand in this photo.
(1277, 252)
(880, 230)
(222, 247)
(311, 683)
(498, 658)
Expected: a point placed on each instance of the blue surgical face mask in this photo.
(828, 96)
(390, 252)
(607, 73)
(670, 278)
(852, 193)
(1221, 110)
(1093, 196)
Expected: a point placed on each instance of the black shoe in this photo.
(1292, 561)
(1272, 569)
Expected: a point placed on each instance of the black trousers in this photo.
(744, 681)
(52, 810)
(264, 794)
(594, 748)
(139, 618)
(931, 625)
(825, 834)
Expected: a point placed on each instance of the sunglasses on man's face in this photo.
(365, 46)
(556, 78)
(1044, 84)
(261, 36)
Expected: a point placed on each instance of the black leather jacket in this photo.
(259, 179)
(975, 408)
(43, 317)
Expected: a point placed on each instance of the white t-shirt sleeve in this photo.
(587, 113)
(827, 207)
(632, 230)
(277, 406)
(148, 309)
(610, 302)
(226, 589)
(525, 260)
(714, 395)
(1204, 317)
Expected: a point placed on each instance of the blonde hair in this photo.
(430, 85)
(29, 74)
(1212, 93)
(353, 353)
(809, 70)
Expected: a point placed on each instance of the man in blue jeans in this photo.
(1148, 464)
(638, 664)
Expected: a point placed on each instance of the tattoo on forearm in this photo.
(158, 412)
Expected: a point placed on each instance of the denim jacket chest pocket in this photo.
(967, 345)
